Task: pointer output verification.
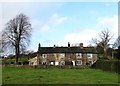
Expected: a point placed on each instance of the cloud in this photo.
(110, 23)
(53, 21)
(11, 9)
(39, 27)
(36, 24)
(35, 11)
(31, 9)
(45, 28)
(57, 19)
(85, 35)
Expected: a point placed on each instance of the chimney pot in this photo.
(54, 46)
(68, 45)
(81, 45)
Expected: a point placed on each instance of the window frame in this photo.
(44, 55)
(62, 55)
(78, 55)
(78, 61)
(89, 55)
(51, 63)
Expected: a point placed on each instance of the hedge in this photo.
(107, 65)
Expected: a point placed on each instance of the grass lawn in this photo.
(12, 75)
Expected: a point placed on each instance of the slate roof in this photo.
(45, 50)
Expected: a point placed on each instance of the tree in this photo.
(118, 53)
(117, 43)
(16, 34)
(103, 41)
(3, 42)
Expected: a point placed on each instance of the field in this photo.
(15, 75)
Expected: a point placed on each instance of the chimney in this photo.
(39, 48)
(81, 45)
(68, 45)
(54, 46)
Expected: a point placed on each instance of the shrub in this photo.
(107, 65)
(25, 62)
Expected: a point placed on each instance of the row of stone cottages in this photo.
(59, 56)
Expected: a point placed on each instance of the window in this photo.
(56, 63)
(79, 62)
(62, 55)
(44, 62)
(44, 55)
(90, 62)
(89, 55)
(78, 55)
(51, 63)
(62, 63)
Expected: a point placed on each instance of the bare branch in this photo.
(104, 38)
(17, 33)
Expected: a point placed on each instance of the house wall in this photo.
(69, 58)
(90, 61)
(94, 57)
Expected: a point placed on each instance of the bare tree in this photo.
(3, 43)
(103, 41)
(117, 43)
(17, 34)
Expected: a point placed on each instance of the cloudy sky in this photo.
(62, 22)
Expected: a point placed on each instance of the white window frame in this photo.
(52, 63)
(62, 63)
(44, 55)
(79, 61)
(78, 55)
(44, 62)
(56, 63)
(73, 63)
(89, 55)
(62, 55)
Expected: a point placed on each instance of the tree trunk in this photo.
(16, 56)
(105, 53)
(17, 53)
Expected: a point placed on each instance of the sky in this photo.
(57, 23)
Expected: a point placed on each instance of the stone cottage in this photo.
(60, 56)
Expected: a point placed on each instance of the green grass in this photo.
(19, 59)
(12, 75)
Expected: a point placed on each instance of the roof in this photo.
(45, 50)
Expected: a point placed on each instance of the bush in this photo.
(12, 63)
(107, 65)
(25, 62)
